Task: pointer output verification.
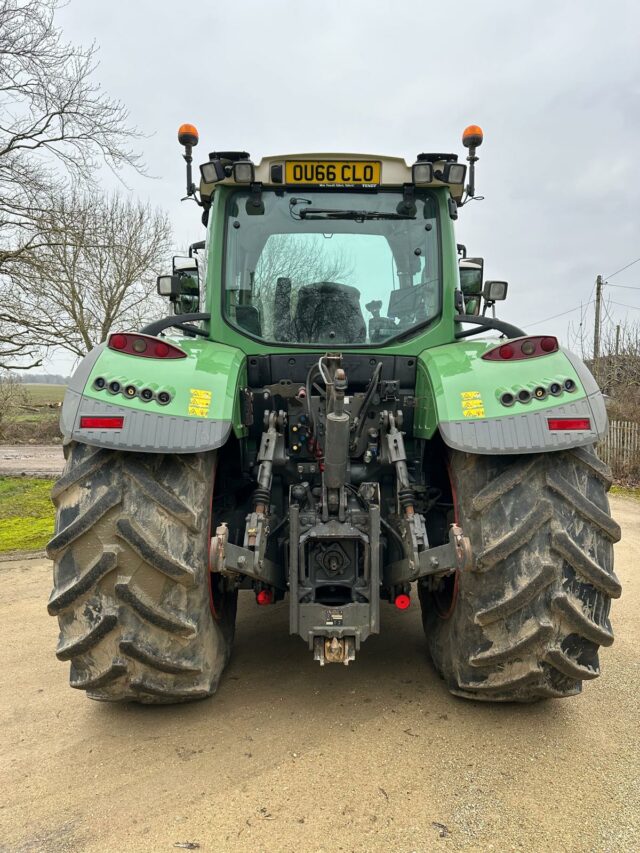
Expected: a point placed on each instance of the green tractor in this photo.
(318, 421)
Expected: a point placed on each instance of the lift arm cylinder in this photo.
(336, 451)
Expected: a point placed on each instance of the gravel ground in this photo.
(31, 460)
(290, 757)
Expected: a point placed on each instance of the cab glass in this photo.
(331, 268)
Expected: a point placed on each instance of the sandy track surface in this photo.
(290, 757)
(31, 460)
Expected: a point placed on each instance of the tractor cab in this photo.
(328, 250)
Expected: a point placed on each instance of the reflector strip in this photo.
(87, 422)
(569, 423)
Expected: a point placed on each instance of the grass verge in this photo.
(26, 513)
(626, 492)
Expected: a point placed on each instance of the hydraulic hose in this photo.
(366, 402)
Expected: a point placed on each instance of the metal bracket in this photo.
(285, 388)
(254, 205)
(246, 407)
(233, 560)
(456, 555)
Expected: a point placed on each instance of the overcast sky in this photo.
(555, 86)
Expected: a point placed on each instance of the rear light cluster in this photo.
(143, 345)
(532, 347)
(539, 392)
(130, 391)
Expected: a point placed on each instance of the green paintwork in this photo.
(446, 373)
(209, 367)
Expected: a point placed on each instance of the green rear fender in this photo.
(459, 393)
(202, 390)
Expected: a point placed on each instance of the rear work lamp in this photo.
(212, 172)
(244, 172)
(169, 285)
(422, 173)
(495, 291)
(454, 173)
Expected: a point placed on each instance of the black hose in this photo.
(394, 533)
(365, 403)
(307, 388)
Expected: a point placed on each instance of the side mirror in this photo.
(183, 287)
(185, 265)
(495, 291)
(471, 276)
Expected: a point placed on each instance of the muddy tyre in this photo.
(131, 576)
(528, 621)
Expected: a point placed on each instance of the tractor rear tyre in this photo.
(132, 591)
(526, 623)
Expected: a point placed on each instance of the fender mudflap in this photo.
(146, 432)
(150, 405)
(553, 403)
(529, 432)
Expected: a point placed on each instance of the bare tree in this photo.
(94, 271)
(12, 395)
(618, 369)
(56, 124)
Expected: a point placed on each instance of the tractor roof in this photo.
(328, 170)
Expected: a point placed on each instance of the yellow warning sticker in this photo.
(472, 405)
(199, 402)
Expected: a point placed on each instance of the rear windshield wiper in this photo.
(355, 215)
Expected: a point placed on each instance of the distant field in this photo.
(36, 419)
(41, 395)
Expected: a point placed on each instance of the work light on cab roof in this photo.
(330, 171)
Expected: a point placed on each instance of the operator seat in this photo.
(328, 311)
(248, 318)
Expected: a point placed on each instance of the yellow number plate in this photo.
(333, 173)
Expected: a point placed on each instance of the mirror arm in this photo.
(178, 321)
(487, 323)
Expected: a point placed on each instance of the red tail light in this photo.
(265, 596)
(143, 345)
(112, 422)
(530, 347)
(402, 601)
(569, 423)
